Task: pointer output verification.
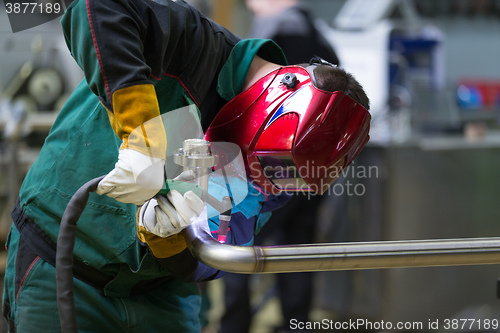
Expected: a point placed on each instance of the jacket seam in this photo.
(96, 47)
(26, 274)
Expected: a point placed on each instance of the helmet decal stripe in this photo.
(283, 109)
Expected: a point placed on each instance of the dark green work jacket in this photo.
(168, 44)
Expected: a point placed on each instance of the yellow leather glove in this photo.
(139, 172)
(161, 219)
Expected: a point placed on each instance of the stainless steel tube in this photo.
(341, 256)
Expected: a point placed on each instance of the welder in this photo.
(143, 59)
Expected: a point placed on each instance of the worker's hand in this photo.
(135, 179)
(167, 216)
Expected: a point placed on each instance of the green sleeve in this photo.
(233, 73)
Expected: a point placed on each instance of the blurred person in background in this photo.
(291, 26)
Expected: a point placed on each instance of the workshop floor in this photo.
(269, 314)
(268, 317)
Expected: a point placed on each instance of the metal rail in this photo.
(341, 256)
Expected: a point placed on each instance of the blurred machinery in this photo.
(36, 83)
(399, 61)
(37, 74)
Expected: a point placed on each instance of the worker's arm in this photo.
(106, 40)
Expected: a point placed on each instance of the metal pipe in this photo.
(341, 256)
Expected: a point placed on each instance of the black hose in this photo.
(64, 255)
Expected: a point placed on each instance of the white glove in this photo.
(167, 216)
(135, 179)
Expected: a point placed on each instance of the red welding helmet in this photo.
(293, 136)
